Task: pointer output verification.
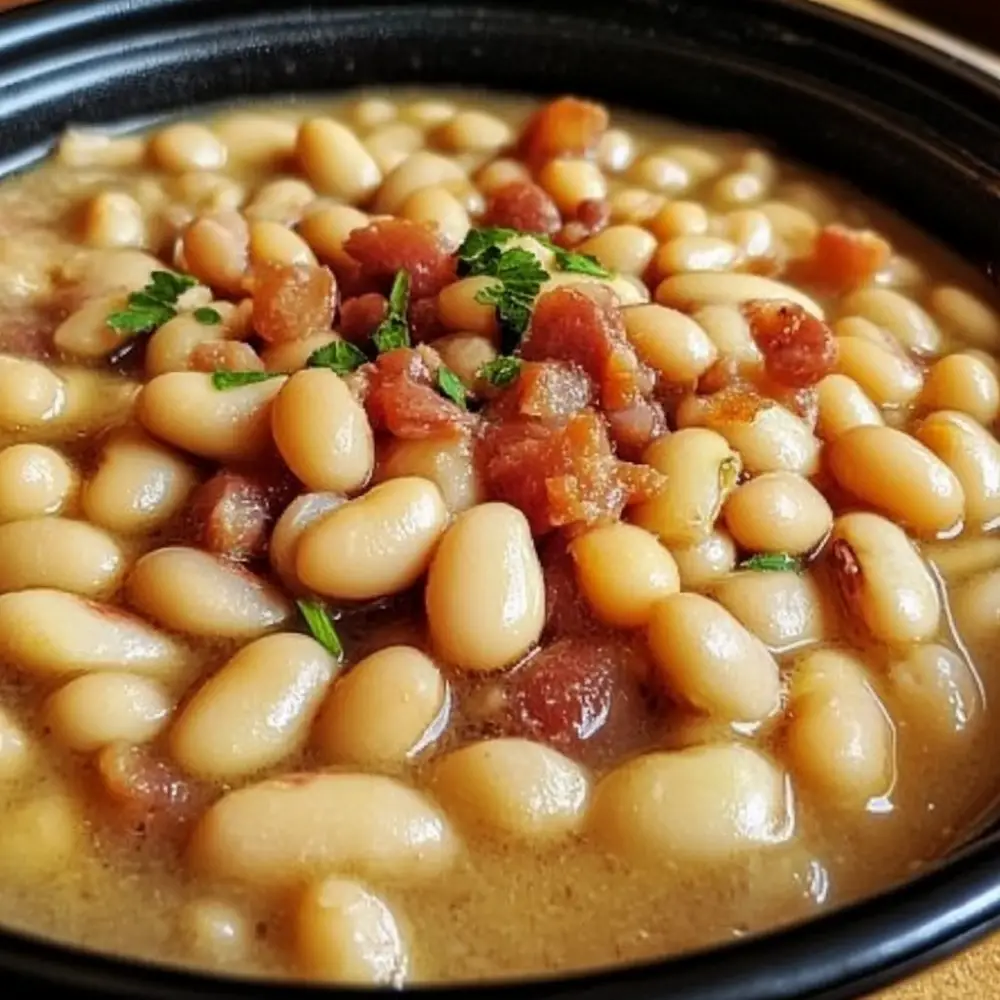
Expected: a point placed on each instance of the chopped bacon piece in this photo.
(28, 333)
(562, 475)
(564, 127)
(401, 398)
(591, 217)
(292, 301)
(390, 245)
(798, 348)
(738, 404)
(545, 390)
(842, 259)
(524, 206)
(224, 355)
(584, 326)
(144, 789)
(360, 316)
(580, 695)
(566, 610)
(231, 513)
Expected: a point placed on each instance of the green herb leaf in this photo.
(320, 625)
(394, 330)
(521, 277)
(151, 307)
(451, 386)
(341, 357)
(207, 316)
(773, 562)
(223, 380)
(579, 263)
(500, 371)
(480, 250)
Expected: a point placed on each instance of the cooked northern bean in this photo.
(705, 803)
(701, 470)
(778, 512)
(839, 738)
(389, 707)
(51, 634)
(705, 656)
(491, 509)
(256, 711)
(57, 553)
(874, 463)
(35, 480)
(276, 832)
(883, 579)
(194, 592)
(377, 545)
(322, 432)
(139, 485)
(96, 709)
(513, 789)
(345, 934)
(973, 455)
(782, 609)
(485, 593)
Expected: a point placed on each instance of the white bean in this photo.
(195, 592)
(281, 830)
(939, 693)
(34, 481)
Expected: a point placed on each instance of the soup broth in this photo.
(446, 536)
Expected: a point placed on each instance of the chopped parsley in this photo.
(341, 357)
(452, 386)
(480, 250)
(579, 263)
(320, 626)
(208, 316)
(773, 562)
(149, 309)
(223, 380)
(501, 371)
(520, 278)
(394, 331)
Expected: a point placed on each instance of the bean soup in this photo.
(452, 537)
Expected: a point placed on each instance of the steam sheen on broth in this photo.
(452, 537)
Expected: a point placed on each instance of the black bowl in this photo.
(909, 125)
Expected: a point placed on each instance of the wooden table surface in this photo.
(974, 975)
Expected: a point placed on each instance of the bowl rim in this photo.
(859, 946)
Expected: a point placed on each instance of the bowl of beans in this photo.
(494, 499)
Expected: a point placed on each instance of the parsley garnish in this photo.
(773, 562)
(321, 627)
(154, 305)
(341, 357)
(451, 386)
(393, 331)
(521, 277)
(480, 250)
(207, 316)
(223, 380)
(501, 371)
(579, 263)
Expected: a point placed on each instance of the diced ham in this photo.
(231, 513)
(798, 348)
(386, 246)
(425, 324)
(292, 301)
(590, 217)
(636, 426)
(564, 127)
(842, 259)
(545, 390)
(562, 475)
(581, 696)
(360, 316)
(402, 400)
(524, 206)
